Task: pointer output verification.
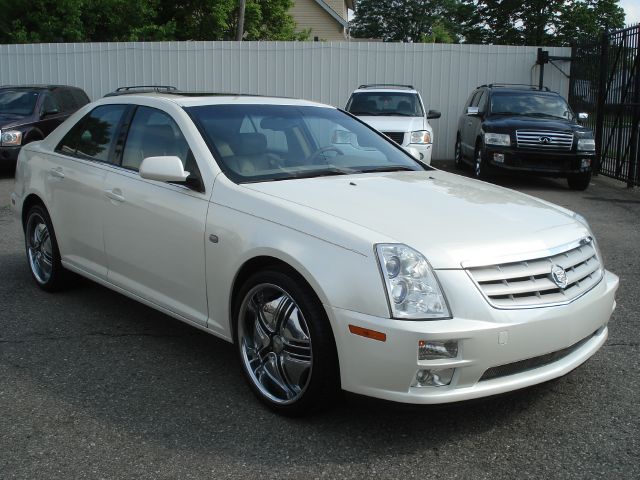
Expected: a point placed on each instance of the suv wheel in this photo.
(579, 181)
(479, 165)
(458, 155)
(285, 343)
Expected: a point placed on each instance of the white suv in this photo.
(398, 112)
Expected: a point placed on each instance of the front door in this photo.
(154, 231)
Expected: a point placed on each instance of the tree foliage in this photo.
(512, 22)
(36, 21)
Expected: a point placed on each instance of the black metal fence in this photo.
(605, 82)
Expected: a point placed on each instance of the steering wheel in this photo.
(321, 150)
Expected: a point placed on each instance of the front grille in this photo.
(532, 363)
(529, 283)
(397, 137)
(542, 140)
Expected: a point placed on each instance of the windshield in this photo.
(17, 102)
(530, 104)
(383, 103)
(279, 142)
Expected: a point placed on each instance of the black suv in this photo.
(521, 128)
(30, 113)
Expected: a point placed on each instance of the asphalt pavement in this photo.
(94, 385)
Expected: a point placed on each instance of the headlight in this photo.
(412, 287)
(587, 144)
(11, 138)
(584, 222)
(421, 136)
(502, 139)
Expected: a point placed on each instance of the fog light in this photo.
(498, 157)
(435, 350)
(434, 378)
(586, 163)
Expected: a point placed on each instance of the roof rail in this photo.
(521, 85)
(391, 85)
(133, 89)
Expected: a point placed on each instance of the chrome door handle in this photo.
(115, 195)
(57, 172)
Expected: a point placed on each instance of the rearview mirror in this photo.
(163, 169)
(473, 111)
(583, 116)
(433, 114)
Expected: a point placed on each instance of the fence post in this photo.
(602, 98)
(634, 156)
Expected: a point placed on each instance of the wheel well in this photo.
(33, 135)
(255, 265)
(29, 202)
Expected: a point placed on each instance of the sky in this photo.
(632, 9)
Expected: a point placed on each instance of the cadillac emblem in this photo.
(559, 276)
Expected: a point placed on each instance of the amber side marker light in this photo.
(365, 332)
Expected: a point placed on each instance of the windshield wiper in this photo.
(540, 114)
(388, 168)
(323, 172)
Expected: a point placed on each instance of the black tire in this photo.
(291, 337)
(479, 163)
(42, 250)
(458, 161)
(579, 181)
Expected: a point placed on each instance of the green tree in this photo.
(42, 21)
(539, 22)
(407, 20)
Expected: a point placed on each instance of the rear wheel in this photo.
(458, 155)
(284, 340)
(579, 181)
(43, 254)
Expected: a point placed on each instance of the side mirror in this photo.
(473, 111)
(47, 113)
(433, 114)
(583, 116)
(163, 169)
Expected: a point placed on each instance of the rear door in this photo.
(75, 181)
(154, 232)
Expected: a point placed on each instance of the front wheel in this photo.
(579, 181)
(285, 343)
(480, 167)
(43, 254)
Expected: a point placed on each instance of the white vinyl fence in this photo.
(322, 71)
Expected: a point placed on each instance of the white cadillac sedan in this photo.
(328, 255)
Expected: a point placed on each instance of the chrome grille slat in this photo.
(529, 283)
(533, 139)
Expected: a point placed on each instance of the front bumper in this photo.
(9, 155)
(487, 337)
(424, 149)
(543, 163)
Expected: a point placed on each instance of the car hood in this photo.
(385, 123)
(8, 121)
(449, 218)
(516, 122)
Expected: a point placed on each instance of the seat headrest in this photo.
(251, 144)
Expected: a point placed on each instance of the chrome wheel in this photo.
(39, 248)
(275, 343)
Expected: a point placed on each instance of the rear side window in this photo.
(80, 97)
(93, 136)
(65, 100)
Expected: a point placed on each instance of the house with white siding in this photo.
(327, 19)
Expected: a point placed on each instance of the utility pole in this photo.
(240, 31)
